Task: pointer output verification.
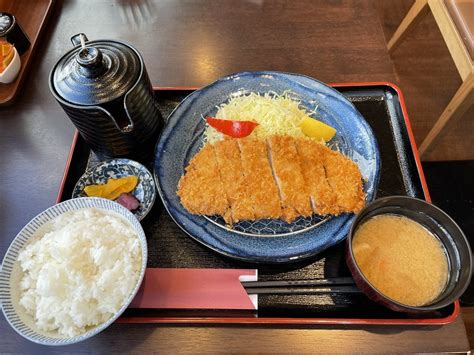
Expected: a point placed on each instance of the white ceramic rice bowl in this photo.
(24, 324)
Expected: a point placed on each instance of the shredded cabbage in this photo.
(275, 114)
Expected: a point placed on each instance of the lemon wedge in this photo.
(317, 129)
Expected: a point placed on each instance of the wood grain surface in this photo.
(468, 316)
(191, 43)
(207, 339)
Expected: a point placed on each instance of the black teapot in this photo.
(104, 88)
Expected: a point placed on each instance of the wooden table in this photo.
(191, 43)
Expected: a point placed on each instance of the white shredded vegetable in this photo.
(275, 114)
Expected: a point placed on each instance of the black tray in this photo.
(170, 247)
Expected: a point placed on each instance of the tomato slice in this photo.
(234, 129)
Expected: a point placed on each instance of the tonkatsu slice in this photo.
(345, 180)
(258, 173)
(323, 198)
(236, 184)
(294, 195)
(201, 189)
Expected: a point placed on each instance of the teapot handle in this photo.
(76, 39)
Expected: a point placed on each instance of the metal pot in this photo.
(104, 88)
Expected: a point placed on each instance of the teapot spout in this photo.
(119, 115)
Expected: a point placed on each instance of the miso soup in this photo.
(401, 259)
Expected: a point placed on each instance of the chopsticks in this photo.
(301, 287)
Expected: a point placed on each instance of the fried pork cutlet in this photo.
(286, 166)
(236, 185)
(258, 173)
(201, 189)
(283, 177)
(345, 180)
(323, 198)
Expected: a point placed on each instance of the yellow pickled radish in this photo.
(113, 188)
(317, 129)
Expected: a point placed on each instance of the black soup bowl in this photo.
(441, 226)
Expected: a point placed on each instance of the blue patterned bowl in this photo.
(145, 191)
(24, 324)
(269, 241)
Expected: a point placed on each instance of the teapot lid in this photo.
(98, 72)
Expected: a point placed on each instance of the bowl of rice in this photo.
(72, 271)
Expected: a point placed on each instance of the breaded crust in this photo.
(201, 189)
(285, 177)
(345, 180)
(286, 165)
(235, 184)
(311, 157)
(259, 177)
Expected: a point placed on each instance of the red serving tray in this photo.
(179, 318)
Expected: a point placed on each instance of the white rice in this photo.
(80, 272)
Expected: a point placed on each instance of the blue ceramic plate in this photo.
(270, 241)
(145, 191)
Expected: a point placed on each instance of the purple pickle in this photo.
(128, 201)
